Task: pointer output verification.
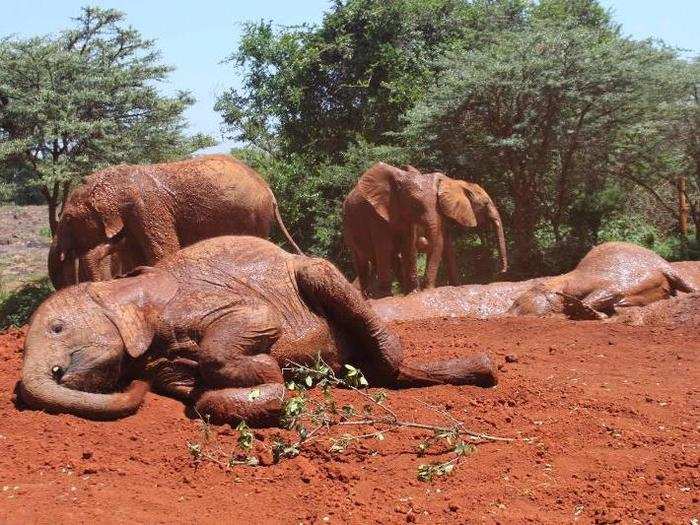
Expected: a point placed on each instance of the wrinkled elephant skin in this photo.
(213, 324)
(131, 215)
(643, 277)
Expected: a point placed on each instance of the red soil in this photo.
(605, 416)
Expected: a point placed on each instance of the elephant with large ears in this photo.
(125, 215)
(386, 209)
(466, 205)
(214, 325)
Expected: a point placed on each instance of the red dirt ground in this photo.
(605, 416)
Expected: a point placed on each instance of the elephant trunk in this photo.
(63, 265)
(498, 226)
(55, 265)
(433, 230)
(39, 389)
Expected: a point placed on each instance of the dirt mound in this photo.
(604, 416)
(676, 311)
(479, 301)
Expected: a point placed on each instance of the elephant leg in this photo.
(407, 270)
(376, 349)
(242, 382)
(655, 288)
(258, 406)
(450, 260)
(383, 258)
(326, 291)
(233, 349)
(362, 270)
(173, 377)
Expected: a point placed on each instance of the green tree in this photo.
(83, 99)
(316, 90)
(541, 116)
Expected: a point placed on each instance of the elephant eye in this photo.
(57, 327)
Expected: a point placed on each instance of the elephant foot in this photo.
(579, 310)
(258, 406)
(477, 370)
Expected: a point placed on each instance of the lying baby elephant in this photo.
(213, 324)
(611, 275)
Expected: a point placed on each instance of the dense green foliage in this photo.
(578, 132)
(84, 99)
(16, 307)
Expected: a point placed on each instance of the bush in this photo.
(16, 307)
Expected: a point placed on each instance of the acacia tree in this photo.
(83, 99)
(317, 90)
(539, 116)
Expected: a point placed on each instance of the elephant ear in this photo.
(454, 203)
(375, 186)
(128, 303)
(109, 215)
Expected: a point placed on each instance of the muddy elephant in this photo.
(213, 324)
(129, 215)
(386, 208)
(612, 275)
(484, 215)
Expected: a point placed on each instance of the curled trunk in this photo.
(40, 390)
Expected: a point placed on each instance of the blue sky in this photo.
(196, 36)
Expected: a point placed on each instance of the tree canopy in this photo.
(83, 99)
(580, 133)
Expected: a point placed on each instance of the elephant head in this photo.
(86, 234)
(406, 199)
(468, 205)
(80, 344)
(544, 299)
(465, 205)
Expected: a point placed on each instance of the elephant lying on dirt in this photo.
(618, 274)
(610, 276)
(213, 324)
(126, 216)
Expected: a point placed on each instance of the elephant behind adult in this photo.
(484, 215)
(385, 209)
(138, 214)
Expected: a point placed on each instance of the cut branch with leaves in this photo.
(314, 420)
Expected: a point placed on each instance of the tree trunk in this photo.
(52, 201)
(526, 258)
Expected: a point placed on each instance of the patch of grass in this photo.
(17, 306)
(45, 232)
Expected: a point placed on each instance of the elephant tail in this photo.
(282, 227)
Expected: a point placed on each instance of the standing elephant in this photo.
(484, 215)
(380, 219)
(213, 324)
(125, 215)
(385, 209)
